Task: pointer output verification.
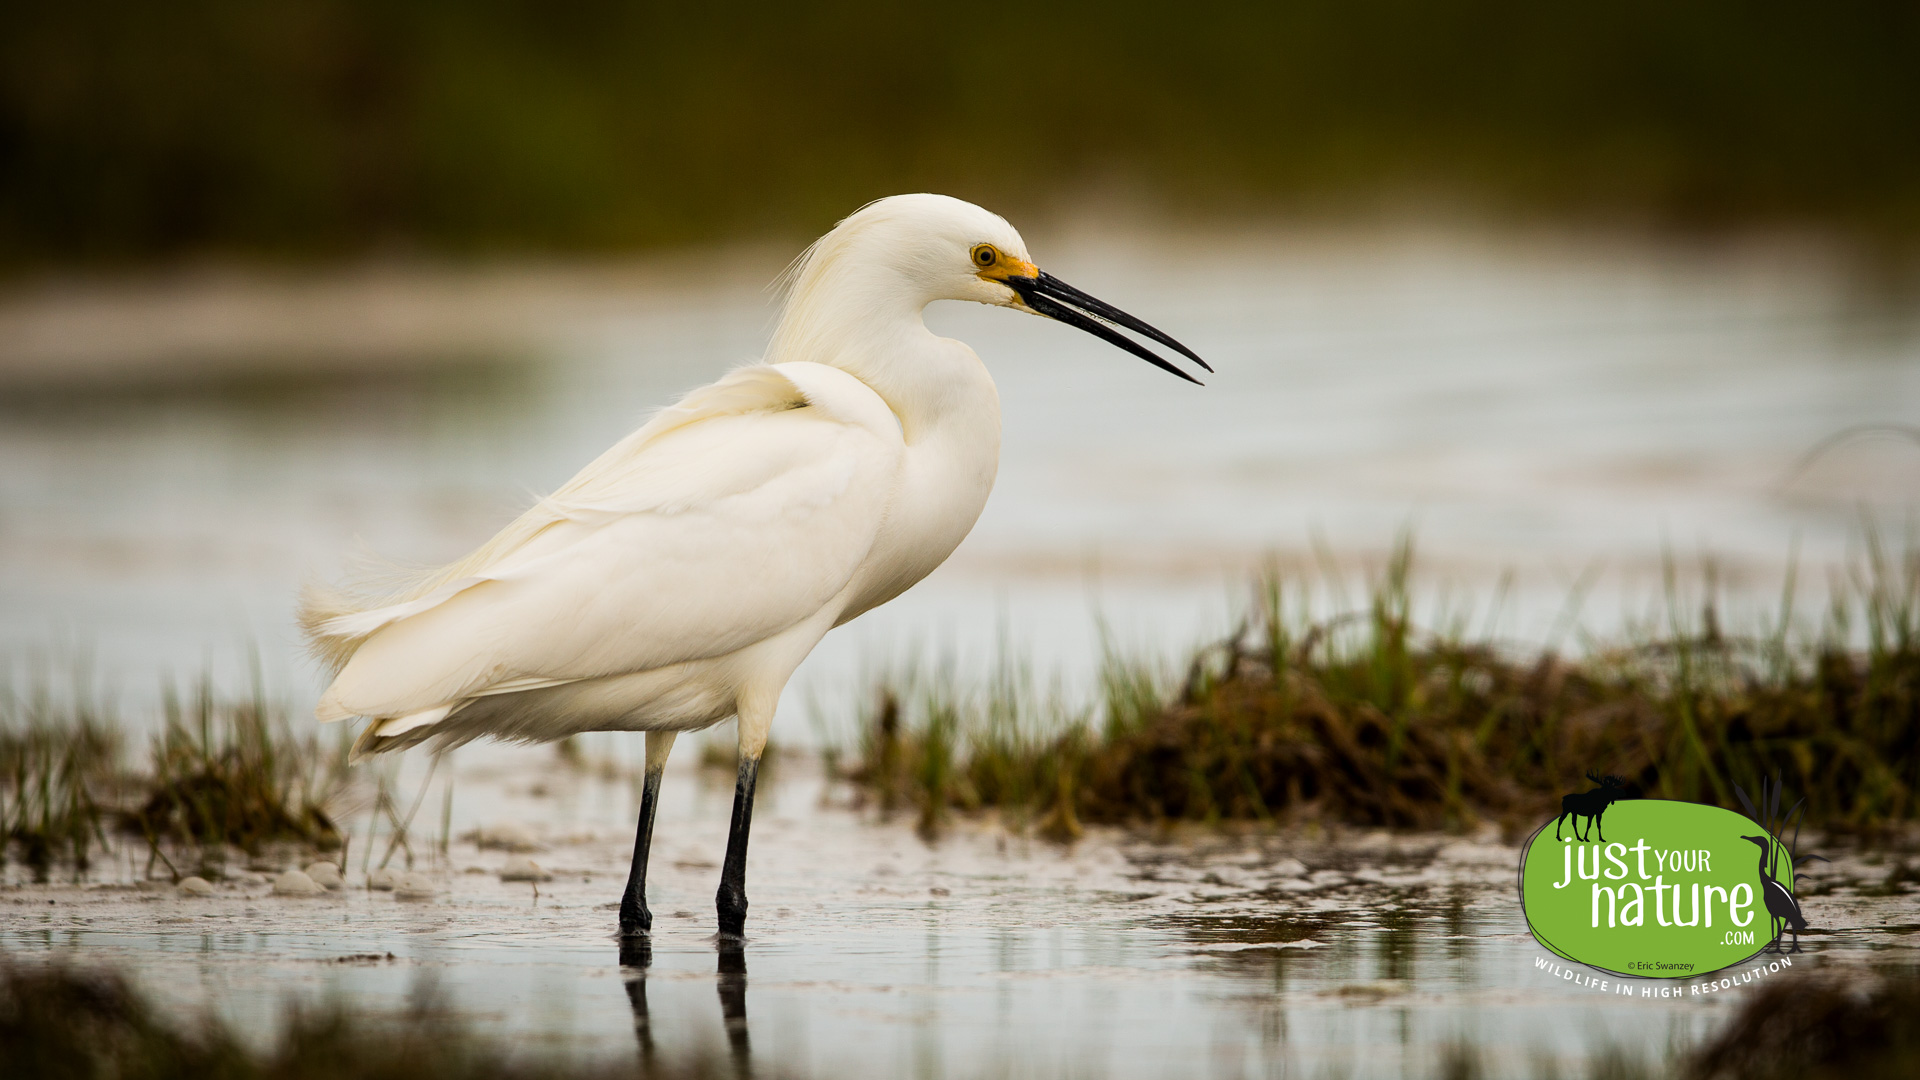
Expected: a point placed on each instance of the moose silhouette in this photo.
(1782, 907)
(1591, 804)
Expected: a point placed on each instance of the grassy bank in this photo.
(1365, 718)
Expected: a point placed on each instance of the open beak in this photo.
(1044, 294)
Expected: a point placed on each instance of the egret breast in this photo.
(946, 474)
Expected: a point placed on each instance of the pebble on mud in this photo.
(503, 838)
(296, 883)
(196, 886)
(413, 885)
(381, 879)
(524, 869)
(326, 875)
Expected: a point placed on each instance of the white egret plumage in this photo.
(682, 576)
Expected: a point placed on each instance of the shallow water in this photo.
(1541, 404)
(872, 953)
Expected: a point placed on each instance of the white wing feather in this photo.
(724, 521)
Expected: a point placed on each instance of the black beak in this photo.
(1050, 296)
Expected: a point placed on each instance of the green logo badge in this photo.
(1666, 890)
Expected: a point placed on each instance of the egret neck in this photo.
(869, 322)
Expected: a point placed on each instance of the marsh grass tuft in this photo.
(231, 773)
(56, 765)
(932, 745)
(223, 774)
(1367, 719)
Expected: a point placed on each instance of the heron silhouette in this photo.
(1782, 908)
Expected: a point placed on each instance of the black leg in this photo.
(731, 900)
(635, 919)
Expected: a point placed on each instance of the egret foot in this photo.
(731, 899)
(732, 906)
(635, 920)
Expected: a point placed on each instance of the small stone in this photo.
(326, 875)
(504, 838)
(523, 869)
(196, 886)
(940, 890)
(413, 885)
(381, 879)
(1288, 867)
(295, 883)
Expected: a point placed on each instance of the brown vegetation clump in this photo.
(1368, 721)
(231, 774)
(62, 1024)
(1825, 1026)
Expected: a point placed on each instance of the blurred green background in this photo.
(131, 130)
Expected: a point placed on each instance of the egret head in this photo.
(1760, 840)
(933, 247)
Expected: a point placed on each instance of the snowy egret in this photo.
(681, 577)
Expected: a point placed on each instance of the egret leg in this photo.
(635, 919)
(731, 900)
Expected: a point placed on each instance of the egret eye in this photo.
(985, 255)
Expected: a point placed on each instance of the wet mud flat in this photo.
(1287, 951)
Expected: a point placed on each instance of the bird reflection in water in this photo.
(732, 983)
(636, 956)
